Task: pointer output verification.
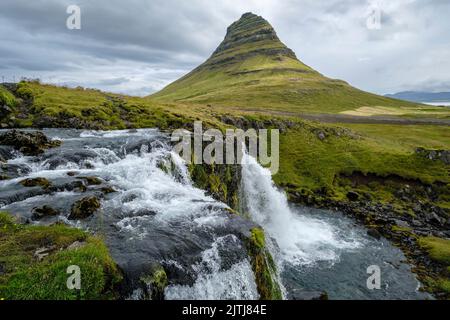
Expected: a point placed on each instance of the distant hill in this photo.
(417, 96)
(253, 69)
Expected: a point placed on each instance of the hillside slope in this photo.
(252, 68)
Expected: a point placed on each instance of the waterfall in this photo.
(299, 240)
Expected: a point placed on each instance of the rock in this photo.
(72, 173)
(308, 295)
(76, 245)
(29, 143)
(41, 253)
(107, 190)
(434, 218)
(352, 196)
(45, 211)
(91, 180)
(374, 233)
(84, 208)
(401, 223)
(434, 155)
(321, 135)
(154, 283)
(36, 182)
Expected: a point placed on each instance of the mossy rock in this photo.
(91, 180)
(263, 266)
(36, 182)
(44, 211)
(26, 278)
(84, 208)
(154, 283)
(29, 143)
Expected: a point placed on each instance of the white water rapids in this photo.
(158, 215)
(301, 240)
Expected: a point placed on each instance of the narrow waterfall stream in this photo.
(321, 250)
(156, 215)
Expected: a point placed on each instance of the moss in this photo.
(258, 237)
(91, 180)
(84, 208)
(36, 182)
(7, 98)
(155, 283)
(27, 278)
(263, 266)
(437, 248)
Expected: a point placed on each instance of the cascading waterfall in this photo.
(156, 215)
(301, 240)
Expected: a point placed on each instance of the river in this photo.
(156, 215)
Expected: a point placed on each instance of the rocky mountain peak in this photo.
(252, 32)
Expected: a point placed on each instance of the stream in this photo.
(156, 215)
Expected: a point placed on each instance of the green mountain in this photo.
(253, 69)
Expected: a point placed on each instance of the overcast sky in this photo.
(139, 46)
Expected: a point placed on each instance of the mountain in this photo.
(253, 69)
(417, 96)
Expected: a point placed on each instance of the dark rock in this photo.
(352, 196)
(154, 282)
(91, 180)
(107, 190)
(29, 143)
(374, 233)
(297, 294)
(401, 223)
(72, 173)
(36, 182)
(84, 208)
(45, 211)
(434, 155)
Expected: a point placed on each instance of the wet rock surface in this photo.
(29, 143)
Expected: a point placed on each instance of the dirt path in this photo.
(343, 118)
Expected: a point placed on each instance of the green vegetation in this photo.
(27, 276)
(253, 70)
(309, 164)
(439, 250)
(7, 98)
(155, 283)
(263, 266)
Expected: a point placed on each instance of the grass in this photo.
(439, 250)
(6, 97)
(306, 162)
(27, 278)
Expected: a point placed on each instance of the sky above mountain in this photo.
(139, 46)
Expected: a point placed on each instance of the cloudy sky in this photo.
(139, 46)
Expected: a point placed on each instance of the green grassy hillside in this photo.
(253, 69)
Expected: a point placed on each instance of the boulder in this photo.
(44, 211)
(36, 182)
(352, 196)
(374, 233)
(91, 180)
(298, 294)
(84, 208)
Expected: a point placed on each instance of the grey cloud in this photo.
(151, 43)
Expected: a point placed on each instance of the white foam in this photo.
(302, 240)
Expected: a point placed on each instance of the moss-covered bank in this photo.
(34, 262)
